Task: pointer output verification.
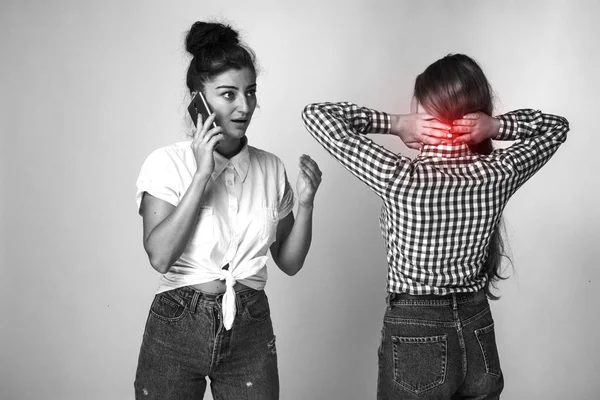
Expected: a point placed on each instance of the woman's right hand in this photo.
(203, 145)
(416, 130)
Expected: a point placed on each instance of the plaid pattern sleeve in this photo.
(341, 128)
(538, 136)
(441, 209)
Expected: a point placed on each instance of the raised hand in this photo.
(203, 145)
(418, 129)
(474, 128)
(308, 182)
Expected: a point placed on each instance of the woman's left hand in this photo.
(308, 182)
(475, 128)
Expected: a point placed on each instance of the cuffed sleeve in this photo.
(158, 177)
(287, 199)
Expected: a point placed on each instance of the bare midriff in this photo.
(217, 287)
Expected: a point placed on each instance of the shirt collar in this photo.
(445, 150)
(240, 162)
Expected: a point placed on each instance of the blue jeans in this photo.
(185, 342)
(440, 348)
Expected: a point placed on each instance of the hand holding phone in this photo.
(205, 140)
(199, 105)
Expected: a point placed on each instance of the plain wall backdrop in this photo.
(90, 88)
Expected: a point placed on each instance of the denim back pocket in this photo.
(487, 343)
(167, 307)
(419, 362)
(256, 307)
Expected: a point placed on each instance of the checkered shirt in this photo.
(439, 209)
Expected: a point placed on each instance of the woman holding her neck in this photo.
(212, 207)
(440, 221)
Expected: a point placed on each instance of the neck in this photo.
(229, 147)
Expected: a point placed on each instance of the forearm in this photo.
(342, 128)
(294, 249)
(167, 241)
(337, 120)
(528, 124)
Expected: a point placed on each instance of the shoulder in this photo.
(265, 158)
(173, 154)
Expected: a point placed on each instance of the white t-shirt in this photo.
(241, 206)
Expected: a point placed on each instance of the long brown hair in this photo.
(448, 89)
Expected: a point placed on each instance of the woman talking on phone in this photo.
(212, 207)
(440, 221)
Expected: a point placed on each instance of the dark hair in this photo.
(215, 48)
(448, 89)
(452, 87)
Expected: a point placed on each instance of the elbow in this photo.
(310, 110)
(562, 123)
(287, 267)
(306, 115)
(291, 272)
(292, 269)
(159, 262)
(565, 123)
(160, 259)
(562, 128)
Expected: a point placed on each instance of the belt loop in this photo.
(238, 304)
(454, 302)
(480, 296)
(194, 301)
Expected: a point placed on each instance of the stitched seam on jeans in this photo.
(434, 303)
(244, 296)
(419, 339)
(418, 322)
(469, 298)
(252, 319)
(380, 349)
(216, 341)
(486, 359)
(476, 317)
(442, 340)
(167, 319)
(244, 306)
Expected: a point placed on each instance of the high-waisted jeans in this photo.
(185, 341)
(441, 348)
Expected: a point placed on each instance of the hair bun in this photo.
(208, 34)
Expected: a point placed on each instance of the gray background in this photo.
(90, 88)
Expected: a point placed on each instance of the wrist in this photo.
(201, 177)
(306, 206)
(495, 130)
(397, 123)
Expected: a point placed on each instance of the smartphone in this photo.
(199, 106)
